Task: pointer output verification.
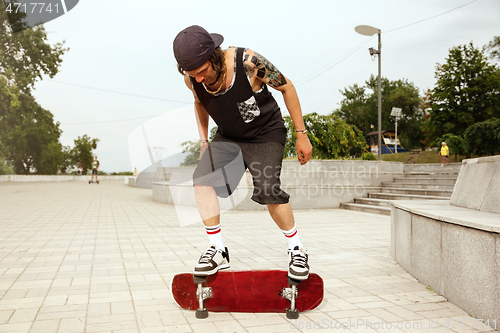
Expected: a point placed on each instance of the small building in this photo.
(388, 142)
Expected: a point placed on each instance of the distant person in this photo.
(445, 153)
(135, 172)
(79, 171)
(95, 168)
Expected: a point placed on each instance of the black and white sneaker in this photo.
(298, 269)
(211, 261)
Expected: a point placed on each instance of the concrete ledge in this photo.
(318, 184)
(443, 211)
(455, 250)
(54, 178)
(131, 181)
(478, 185)
(301, 197)
(345, 166)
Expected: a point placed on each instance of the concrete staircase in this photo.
(418, 181)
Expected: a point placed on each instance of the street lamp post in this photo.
(396, 113)
(367, 30)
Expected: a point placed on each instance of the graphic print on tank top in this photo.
(249, 109)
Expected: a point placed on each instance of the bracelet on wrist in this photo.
(301, 131)
(204, 142)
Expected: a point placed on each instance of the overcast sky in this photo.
(126, 47)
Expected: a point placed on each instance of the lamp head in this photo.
(367, 30)
(373, 51)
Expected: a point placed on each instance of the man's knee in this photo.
(269, 194)
(202, 188)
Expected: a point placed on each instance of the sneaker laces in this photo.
(299, 258)
(208, 255)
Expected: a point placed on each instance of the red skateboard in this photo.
(247, 291)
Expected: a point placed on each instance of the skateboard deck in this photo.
(247, 291)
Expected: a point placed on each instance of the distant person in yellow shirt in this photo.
(445, 152)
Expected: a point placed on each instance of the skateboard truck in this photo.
(202, 293)
(291, 294)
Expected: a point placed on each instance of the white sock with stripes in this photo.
(215, 236)
(293, 238)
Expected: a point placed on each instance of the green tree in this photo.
(359, 107)
(5, 167)
(193, 148)
(29, 136)
(50, 160)
(9, 104)
(68, 161)
(82, 152)
(467, 91)
(427, 136)
(494, 48)
(355, 109)
(483, 138)
(122, 173)
(26, 55)
(330, 136)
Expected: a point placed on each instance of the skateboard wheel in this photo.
(292, 314)
(199, 279)
(293, 281)
(202, 314)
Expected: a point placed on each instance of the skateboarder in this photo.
(95, 167)
(231, 86)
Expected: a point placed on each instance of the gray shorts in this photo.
(225, 162)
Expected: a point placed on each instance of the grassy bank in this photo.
(399, 157)
(420, 158)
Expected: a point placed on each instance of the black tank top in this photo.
(240, 113)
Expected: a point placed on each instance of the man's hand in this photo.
(304, 148)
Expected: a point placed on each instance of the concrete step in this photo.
(419, 186)
(373, 202)
(401, 196)
(433, 175)
(366, 208)
(433, 167)
(425, 181)
(437, 193)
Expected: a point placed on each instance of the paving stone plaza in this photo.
(78, 258)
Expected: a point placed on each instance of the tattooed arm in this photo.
(259, 71)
